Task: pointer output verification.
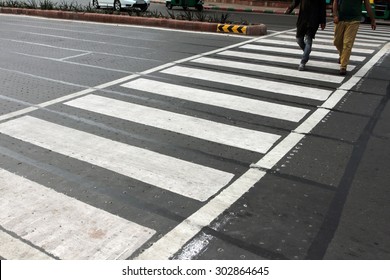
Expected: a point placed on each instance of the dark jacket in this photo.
(312, 13)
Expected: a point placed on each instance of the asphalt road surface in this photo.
(124, 142)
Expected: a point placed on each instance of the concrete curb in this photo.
(125, 19)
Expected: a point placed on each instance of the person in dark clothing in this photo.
(312, 14)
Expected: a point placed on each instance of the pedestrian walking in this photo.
(312, 14)
(347, 15)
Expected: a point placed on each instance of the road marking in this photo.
(64, 226)
(230, 135)
(270, 69)
(363, 36)
(328, 40)
(299, 52)
(248, 82)
(14, 249)
(330, 37)
(288, 60)
(185, 178)
(315, 46)
(174, 240)
(242, 104)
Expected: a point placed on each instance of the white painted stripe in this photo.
(224, 134)
(330, 37)
(185, 178)
(299, 52)
(330, 41)
(248, 82)
(288, 60)
(247, 105)
(315, 46)
(14, 249)
(312, 121)
(174, 240)
(277, 153)
(361, 36)
(64, 226)
(270, 69)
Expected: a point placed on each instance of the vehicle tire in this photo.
(365, 19)
(117, 5)
(169, 5)
(95, 4)
(143, 8)
(199, 7)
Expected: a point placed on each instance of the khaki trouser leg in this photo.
(345, 34)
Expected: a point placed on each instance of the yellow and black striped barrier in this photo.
(240, 29)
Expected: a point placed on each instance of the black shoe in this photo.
(343, 71)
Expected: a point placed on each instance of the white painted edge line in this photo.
(174, 240)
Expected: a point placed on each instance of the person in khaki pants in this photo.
(347, 15)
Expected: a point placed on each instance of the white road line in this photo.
(299, 52)
(174, 240)
(247, 105)
(248, 82)
(14, 249)
(179, 176)
(289, 60)
(315, 46)
(270, 69)
(64, 226)
(330, 38)
(73, 56)
(363, 36)
(108, 84)
(330, 41)
(230, 135)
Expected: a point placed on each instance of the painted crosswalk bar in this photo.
(227, 101)
(299, 52)
(231, 28)
(270, 69)
(330, 41)
(249, 82)
(280, 59)
(234, 136)
(316, 46)
(62, 226)
(185, 178)
(370, 39)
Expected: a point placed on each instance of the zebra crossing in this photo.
(246, 99)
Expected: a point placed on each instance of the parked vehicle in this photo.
(381, 9)
(185, 4)
(118, 5)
